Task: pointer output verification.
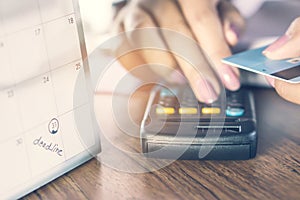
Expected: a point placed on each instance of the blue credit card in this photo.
(253, 60)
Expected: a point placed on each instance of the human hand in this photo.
(214, 25)
(287, 46)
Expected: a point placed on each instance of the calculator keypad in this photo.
(172, 102)
(226, 127)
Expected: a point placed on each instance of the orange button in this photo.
(165, 110)
(188, 111)
(209, 111)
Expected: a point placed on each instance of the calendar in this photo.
(47, 125)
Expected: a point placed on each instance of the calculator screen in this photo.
(44, 100)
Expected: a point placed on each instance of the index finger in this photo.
(204, 21)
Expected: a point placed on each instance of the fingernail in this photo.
(236, 30)
(206, 91)
(271, 81)
(277, 44)
(229, 78)
(177, 77)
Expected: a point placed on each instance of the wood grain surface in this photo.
(273, 174)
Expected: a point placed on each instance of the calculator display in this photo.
(42, 66)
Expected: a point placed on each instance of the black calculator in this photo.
(177, 126)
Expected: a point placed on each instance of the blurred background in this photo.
(97, 16)
(265, 19)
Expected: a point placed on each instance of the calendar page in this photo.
(47, 125)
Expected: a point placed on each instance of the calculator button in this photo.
(168, 93)
(235, 112)
(189, 103)
(188, 111)
(167, 101)
(234, 105)
(165, 111)
(207, 110)
(234, 95)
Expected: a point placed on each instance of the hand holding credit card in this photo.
(255, 61)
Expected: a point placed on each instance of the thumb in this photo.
(288, 91)
(288, 45)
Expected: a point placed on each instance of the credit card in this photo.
(253, 60)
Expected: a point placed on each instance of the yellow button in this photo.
(165, 110)
(211, 111)
(188, 111)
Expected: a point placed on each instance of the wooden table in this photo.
(273, 174)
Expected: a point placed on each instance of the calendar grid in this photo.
(44, 122)
(39, 24)
(38, 75)
(1, 27)
(50, 70)
(42, 67)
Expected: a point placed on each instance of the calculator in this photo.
(177, 126)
